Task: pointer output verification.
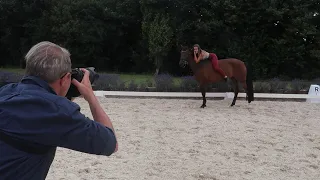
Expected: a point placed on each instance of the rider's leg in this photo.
(214, 60)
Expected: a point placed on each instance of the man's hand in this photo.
(97, 111)
(84, 87)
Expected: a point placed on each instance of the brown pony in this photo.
(203, 71)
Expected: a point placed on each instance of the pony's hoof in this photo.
(232, 105)
(203, 106)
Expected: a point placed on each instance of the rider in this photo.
(200, 54)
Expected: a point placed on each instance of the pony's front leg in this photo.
(203, 92)
(235, 90)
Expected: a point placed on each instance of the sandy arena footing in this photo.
(173, 139)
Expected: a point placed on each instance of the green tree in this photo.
(277, 38)
(159, 35)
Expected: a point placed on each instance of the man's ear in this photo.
(65, 78)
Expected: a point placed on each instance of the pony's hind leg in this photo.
(235, 90)
(244, 85)
(203, 92)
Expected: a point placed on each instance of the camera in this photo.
(77, 74)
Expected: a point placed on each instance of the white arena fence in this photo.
(313, 95)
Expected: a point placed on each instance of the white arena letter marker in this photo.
(314, 90)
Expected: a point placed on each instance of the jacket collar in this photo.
(37, 81)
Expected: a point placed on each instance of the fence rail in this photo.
(226, 95)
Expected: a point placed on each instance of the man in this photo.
(35, 116)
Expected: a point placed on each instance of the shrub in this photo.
(277, 86)
(261, 87)
(189, 84)
(143, 86)
(132, 86)
(109, 82)
(10, 77)
(298, 85)
(149, 83)
(164, 83)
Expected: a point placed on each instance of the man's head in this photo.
(51, 63)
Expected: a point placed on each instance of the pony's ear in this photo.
(183, 48)
(191, 47)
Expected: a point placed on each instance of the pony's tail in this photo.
(249, 84)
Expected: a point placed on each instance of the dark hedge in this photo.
(166, 83)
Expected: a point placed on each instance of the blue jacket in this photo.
(34, 120)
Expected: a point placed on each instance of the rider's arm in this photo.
(199, 58)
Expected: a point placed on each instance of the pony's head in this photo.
(184, 55)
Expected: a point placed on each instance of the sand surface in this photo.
(176, 140)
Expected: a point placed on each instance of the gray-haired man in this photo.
(35, 116)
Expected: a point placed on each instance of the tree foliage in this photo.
(277, 38)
